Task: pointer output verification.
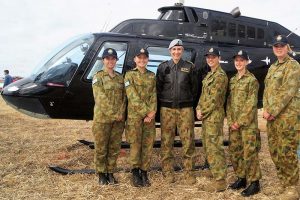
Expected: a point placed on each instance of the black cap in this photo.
(213, 51)
(109, 52)
(280, 39)
(242, 54)
(143, 51)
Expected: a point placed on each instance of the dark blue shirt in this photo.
(7, 80)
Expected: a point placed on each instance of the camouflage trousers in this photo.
(283, 142)
(212, 136)
(108, 138)
(141, 137)
(183, 119)
(243, 148)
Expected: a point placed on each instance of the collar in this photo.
(172, 64)
(287, 58)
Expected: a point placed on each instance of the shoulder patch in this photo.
(95, 80)
(127, 83)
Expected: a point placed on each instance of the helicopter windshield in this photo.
(61, 64)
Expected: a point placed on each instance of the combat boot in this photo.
(111, 179)
(238, 184)
(290, 193)
(136, 178)
(145, 179)
(216, 186)
(252, 189)
(169, 176)
(190, 179)
(102, 179)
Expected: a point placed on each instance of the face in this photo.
(176, 52)
(280, 50)
(212, 60)
(141, 60)
(109, 62)
(240, 63)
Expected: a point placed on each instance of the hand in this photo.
(266, 115)
(147, 119)
(199, 115)
(119, 118)
(151, 114)
(235, 126)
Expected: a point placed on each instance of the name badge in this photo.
(185, 69)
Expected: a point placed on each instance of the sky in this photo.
(30, 29)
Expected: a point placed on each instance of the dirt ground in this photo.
(28, 146)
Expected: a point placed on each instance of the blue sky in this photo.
(30, 29)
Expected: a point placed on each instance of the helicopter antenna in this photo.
(292, 32)
(180, 3)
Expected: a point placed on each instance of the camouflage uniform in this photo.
(282, 100)
(141, 94)
(211, 105)
(245, 142)
(109, 95)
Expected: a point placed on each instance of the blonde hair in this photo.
(290, 49)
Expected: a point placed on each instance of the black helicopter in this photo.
(60, 87)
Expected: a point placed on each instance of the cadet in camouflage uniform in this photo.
(108, 124)
(210, 110)
(140, 86)
(281, 103)
(243, 126)
(176, 91)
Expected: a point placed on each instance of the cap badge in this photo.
(110, 51)
(142, 50)
(211, 50)
(279, 38)
(240, 53)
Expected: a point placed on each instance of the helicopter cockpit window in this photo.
(159, 54)
(241, 31)
(218, 28)
(120, 48)
(250, 32)
(60, 67)
(174, 15)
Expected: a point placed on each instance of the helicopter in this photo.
(61, 86)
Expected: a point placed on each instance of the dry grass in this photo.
(28, 146)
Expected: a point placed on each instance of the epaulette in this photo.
(164, 62)
(118, 73)
(151, 72)
(101, 70)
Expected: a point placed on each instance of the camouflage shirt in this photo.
(282, 89)
(141, 93)
(242, 101)
(109, 96)
(212, 99)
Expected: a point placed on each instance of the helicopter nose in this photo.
(15, 97)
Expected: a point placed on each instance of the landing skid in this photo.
(66, 171)
(125, 145)
(157, 144)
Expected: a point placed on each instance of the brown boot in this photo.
(189, 177)
(290, 193)
(169, 176)
(216, 186)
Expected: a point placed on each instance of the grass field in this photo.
(29, 145)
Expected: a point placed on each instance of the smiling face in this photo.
(212, 61)
(176, 52)
(240, 63)
(141, 61)
(109, 62)
(280, 50)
